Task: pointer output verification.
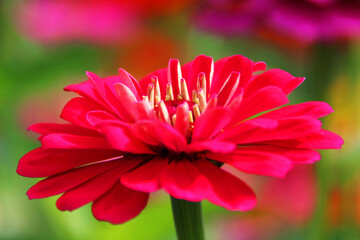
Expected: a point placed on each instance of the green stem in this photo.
(188, 219)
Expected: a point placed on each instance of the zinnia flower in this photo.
(97, 21)
(307, 21)
(173, 130)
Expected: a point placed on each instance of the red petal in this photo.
(208, 124)
(93, 188)
(296, 155)
(42, 162)
(126, 80)
(229, 88)
(182, 180)
(62, 182)
(259, 66)
(201, 64)
(159, 133)
(291, 128)
(231, 64)
(262, 100)
(174, 75)
(274, 77)
(107, 93)
(97, 116)
(68, 141)
(256, 162)
(87, 90)
(145, 178)
(76, 109)
(226, 190)
(307, 109)
(321, 139)
(213, 146)
(48, 128)
(143, 111)
(120, 137)
(182, 118)
(163, 80)
(119, 205)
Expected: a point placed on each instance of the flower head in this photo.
(173, 130)
(97, 21)
(306, 21)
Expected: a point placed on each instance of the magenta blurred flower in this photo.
(53, 21)
(173, 130)
(97, 21)
(305, 20)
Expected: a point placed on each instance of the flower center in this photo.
(166, 106)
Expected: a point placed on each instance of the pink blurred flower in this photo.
(292, 198)
(284, 203)
(174, 130)
(307, 21)
(52, 21)
(97, 21)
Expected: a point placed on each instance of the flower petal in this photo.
(306, 109)
(159, 133)
(48, 128)
(213, 146)
(182, 180)
(231, 64)
(201, 64)
(321, 139)
(64, 181)
(69, 141)
(208, 124)
(42, 162)
(229, 88)
(274, 77)
(145, 178)
(119, 137)
(182, 118)
(76, 109)
(262, 100)
(226, 190)
(119, 205)
(94, 188)
(291, 128)
(255, 162)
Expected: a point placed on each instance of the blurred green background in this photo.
(324, 200)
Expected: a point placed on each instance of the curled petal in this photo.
(275, 77)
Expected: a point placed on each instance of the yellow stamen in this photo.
(184, 90)
(169, 92)
(163, 112)
(196, 111)
(202, 100)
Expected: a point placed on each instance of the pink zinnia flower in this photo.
(307, 21)
(102, 22)
(97, 21)
(174, 130)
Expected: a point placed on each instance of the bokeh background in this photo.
(48, 44)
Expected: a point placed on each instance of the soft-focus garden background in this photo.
(47, 44)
